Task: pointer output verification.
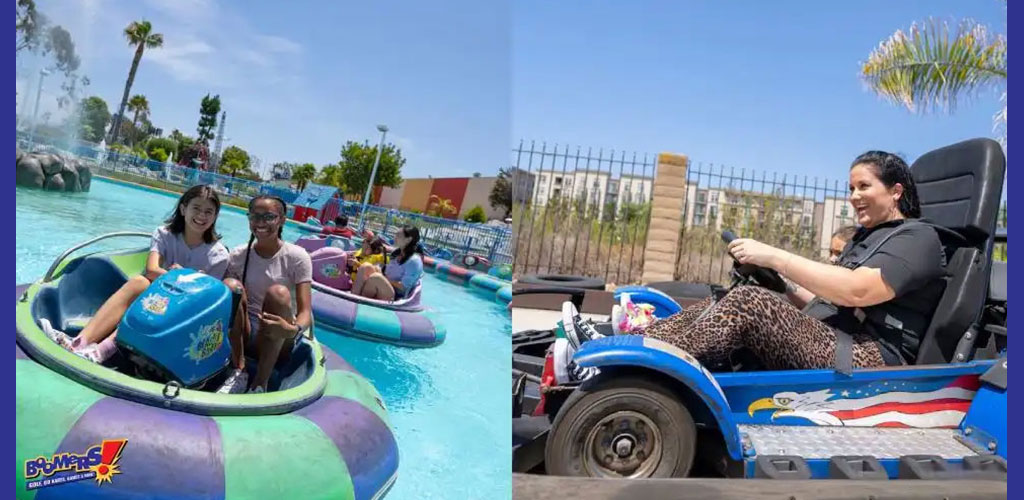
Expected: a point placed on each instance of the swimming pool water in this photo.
(449, 404)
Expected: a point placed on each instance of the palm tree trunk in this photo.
(135, 128)
(116, 127)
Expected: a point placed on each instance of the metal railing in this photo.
(459, 238)
(570, 215)
(580, 212)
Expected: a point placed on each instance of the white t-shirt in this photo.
(290, 266)
(209, 258)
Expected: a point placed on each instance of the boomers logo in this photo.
(98, 462)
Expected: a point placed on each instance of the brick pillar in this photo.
(667, 201)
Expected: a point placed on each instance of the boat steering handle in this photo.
(53, 267)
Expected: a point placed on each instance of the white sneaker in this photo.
(257, 390)
(576, 329)
(236, 383)
(567, 371)
(60, 338)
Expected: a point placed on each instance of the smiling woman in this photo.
(188, 239)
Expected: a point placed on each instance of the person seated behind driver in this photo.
(371, 252)
(340, 228)
(840, 238)
(902, 279)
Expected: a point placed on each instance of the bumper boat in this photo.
(401, 322)
(86, 430)
(485, 284)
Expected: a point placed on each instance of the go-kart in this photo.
(652, 410)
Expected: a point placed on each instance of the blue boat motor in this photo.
(179, 327)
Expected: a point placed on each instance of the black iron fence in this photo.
(580, 212)
(586, 212)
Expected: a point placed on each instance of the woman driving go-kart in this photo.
(882, 293)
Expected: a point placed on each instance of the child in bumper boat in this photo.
(275, 278)
(401, 273)
(188, 239)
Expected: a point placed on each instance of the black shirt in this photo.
(913, 263)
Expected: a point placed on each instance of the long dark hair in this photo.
(404, 253)
(892, 170)
(252, 236)
(176, 222)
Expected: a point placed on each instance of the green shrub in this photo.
(155, 143)
(476, 214)
(158, 154)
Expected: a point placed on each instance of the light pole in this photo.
(373, 174)
(35, 112)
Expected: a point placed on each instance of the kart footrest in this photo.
(781, 467)
(856, 467)
(923, 467)
(989, 466)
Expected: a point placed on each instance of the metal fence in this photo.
(580, 212)
(445, 238)
(569, 215)
(796, 213)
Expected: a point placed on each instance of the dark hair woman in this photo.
(400, 276)
(901, 280)
(274, 277)
(188, 239)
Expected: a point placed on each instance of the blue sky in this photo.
(767, 86)
(298, 79)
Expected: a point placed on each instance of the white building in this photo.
(597, 188)
(835, 213)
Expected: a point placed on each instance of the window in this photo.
(701, 196)
(713, 211)
(698, 219)
(806, 220)
(844, 212)
(714, 197)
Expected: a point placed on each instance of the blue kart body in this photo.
(733, 403)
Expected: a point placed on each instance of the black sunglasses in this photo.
(265, 217)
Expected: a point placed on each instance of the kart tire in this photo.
(670, 445)
(563, 280)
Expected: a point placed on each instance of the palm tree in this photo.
(927, 68)
(140, 105)
(139, 34)
(303, 174)
(440, 207)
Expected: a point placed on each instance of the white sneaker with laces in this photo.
(567, 371)
(576, 329)
(236, 383)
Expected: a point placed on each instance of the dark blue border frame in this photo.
(8, 413)
(1016, 272)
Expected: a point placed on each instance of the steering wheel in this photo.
(757, 275)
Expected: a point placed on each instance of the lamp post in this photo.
(373, 174)
(35, 112)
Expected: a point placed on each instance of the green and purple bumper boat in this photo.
(86, 430)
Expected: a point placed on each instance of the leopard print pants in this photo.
(768, 325)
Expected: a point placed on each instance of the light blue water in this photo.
(449, 405)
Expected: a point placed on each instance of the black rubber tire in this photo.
(563, 280)
(683, 289)
(604, 395)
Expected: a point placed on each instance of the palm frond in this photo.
(154, 40)
(928, 67)
(999, 122)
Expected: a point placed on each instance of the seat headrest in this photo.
(960, 186)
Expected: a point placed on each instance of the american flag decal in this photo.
(878, 404)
